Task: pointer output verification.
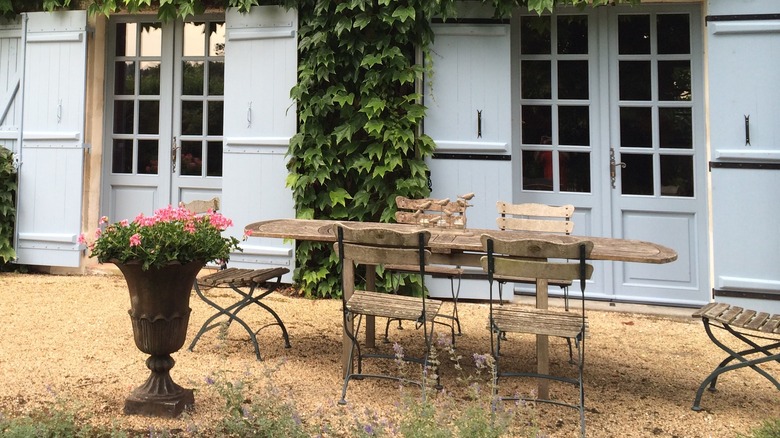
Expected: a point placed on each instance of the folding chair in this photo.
(236, 280)
(539, 218)
(749, 328)
(377, 246)
(531, 258)
(429, 212)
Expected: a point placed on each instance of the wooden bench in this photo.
(236, 279)
(748, 326)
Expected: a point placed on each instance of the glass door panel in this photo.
(655, 105)
(165, 114)
(555, 104)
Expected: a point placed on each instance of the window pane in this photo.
(633, 34)
(537, 170)
(575, 171)
(192, 118)
(674, 80)
(151, 39)
(573, 34)
(537, 124)
(125, 39)
(674, 33)
(124, 78)
(216, 78)
(636, 127)
(194, 39)
(634, 80)
(637, 176)
(535, 35)
(148, 117)
(148, 156)
(214, 164)
(572, 79)
(192, 78)
(191, 158)
(217, 39)
(535, 79)
(123, 116)
(122, 156)
(150, 78)
(675, 128)
(215, 118)
(676, 175)
(573, 125)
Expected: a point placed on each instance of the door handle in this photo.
(173, 155)
(613, 166)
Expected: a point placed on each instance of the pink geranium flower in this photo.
(172, 234)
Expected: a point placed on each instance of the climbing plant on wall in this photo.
(7, 206)
(358, 143)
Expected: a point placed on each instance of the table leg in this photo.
(346, 342)
(370, 319)
(542, 344)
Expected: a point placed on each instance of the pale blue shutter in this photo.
(260, 70)
(744, 102)
(52, 152)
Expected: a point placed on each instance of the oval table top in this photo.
(446, 239)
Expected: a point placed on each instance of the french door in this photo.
(164, 113)
(610, 103)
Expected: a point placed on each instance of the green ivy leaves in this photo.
(7, 205)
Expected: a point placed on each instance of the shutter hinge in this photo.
(87, 147)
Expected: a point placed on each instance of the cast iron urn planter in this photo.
(160, 311)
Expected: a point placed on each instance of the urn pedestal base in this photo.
(160, 396)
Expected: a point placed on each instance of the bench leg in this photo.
(723, 367)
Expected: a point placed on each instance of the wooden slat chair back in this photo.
(543, 259)
(200, 206)
(377, 246)
(757, 333)
(428, 212)
(535, 217)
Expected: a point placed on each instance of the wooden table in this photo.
(464, 248)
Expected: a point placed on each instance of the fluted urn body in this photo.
(160, 312)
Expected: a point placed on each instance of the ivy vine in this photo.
(7, 205)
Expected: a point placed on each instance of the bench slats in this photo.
(241, 277)
(738, 317)
(757, 321)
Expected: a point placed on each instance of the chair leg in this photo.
(351, 364)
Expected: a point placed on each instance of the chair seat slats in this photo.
(429, 269)
(515, 319)
(391, 306)
(505, 278)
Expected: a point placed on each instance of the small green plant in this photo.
(768, 429)
(56, 421)
(260, 415)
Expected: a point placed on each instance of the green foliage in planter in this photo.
(7, 208)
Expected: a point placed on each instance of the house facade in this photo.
(654, 121)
